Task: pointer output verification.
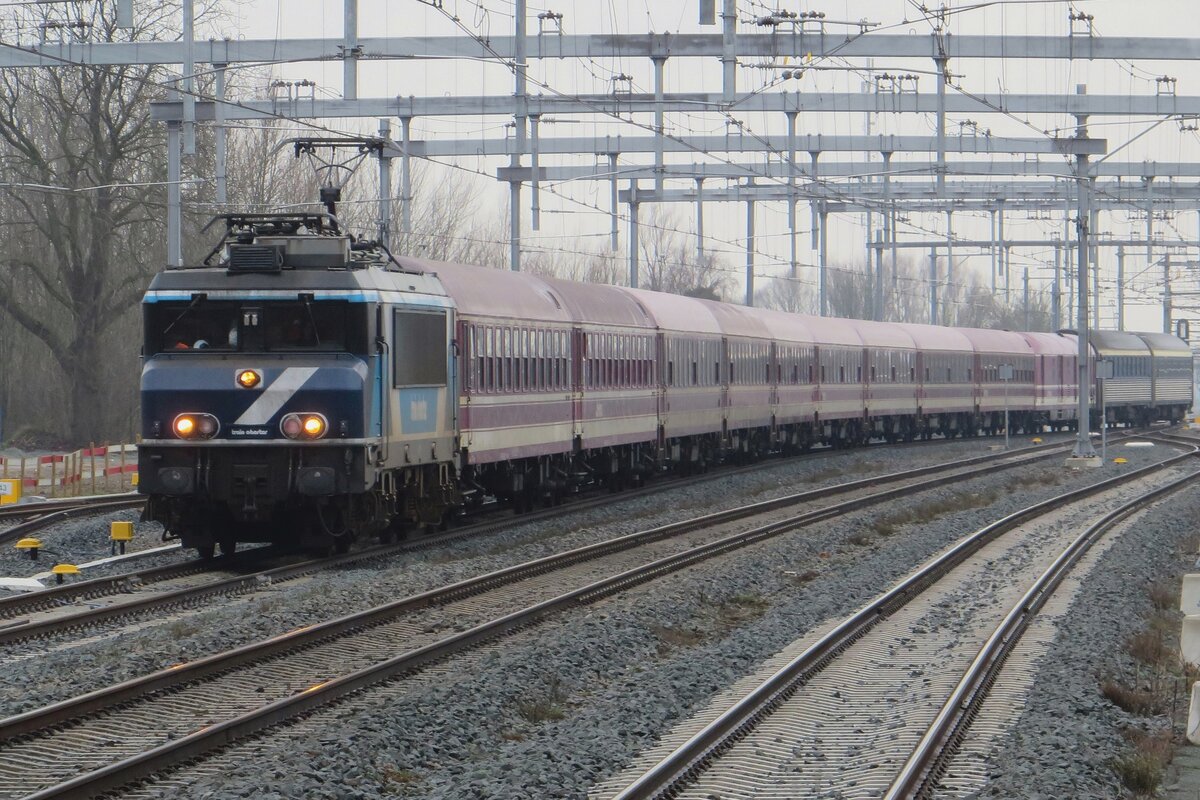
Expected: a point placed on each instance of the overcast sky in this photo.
(725, 224)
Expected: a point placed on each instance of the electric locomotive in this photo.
(296, 387)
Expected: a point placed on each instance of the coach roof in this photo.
(500, 293)
(675, 313)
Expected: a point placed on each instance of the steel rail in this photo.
(51, 506)
(10, 608)
(922, 770)
(45, 520)
(101, 587)
(219, 734)
(691, 757)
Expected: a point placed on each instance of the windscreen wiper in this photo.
(196, 300)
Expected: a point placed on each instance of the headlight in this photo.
(195, 426)
(304, 425)
(249, 378)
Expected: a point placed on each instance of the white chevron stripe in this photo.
(275, 395)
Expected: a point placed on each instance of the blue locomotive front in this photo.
(251, 400)
(273, 408)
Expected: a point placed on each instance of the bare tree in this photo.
(669, 262)
(784, 294)
(85, 165)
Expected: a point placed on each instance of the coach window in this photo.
(510, 360)
(545, 352)
(489, 378)
(515, 360)
(564, 352)
(590, 347)
(527, 375)
(626, 358)
(539, 360)
(555, 340)
(520, 369)
(555, 344)
(419, 357)
(479, 382)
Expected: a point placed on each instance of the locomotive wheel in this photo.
(207, 551)
(227, 546)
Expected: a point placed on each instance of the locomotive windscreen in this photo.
(318, 326)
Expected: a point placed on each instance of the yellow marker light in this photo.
(1120, 461)
(29, 544)
(313, 427)
(1037, 440)
(185, 426)
(248, 379)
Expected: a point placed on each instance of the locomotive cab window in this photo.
(305, 326)
(419, 349)
(320, 326)
(197, 325)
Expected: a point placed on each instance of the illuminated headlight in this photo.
(304, 425)
(195, 426)
(249, 378)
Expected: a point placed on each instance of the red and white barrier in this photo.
(92, 470)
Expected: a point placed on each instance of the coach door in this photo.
(578, 361)
(422, 378)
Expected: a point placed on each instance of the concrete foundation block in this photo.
(1084, 462)
(1189, 639)
(1189, 594)
(1193, 725)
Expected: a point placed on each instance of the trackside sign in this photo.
(10, 492)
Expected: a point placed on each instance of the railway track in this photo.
(844, 715)
(72, 608)
(34, 517)
(107, 739)
(37, 516)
